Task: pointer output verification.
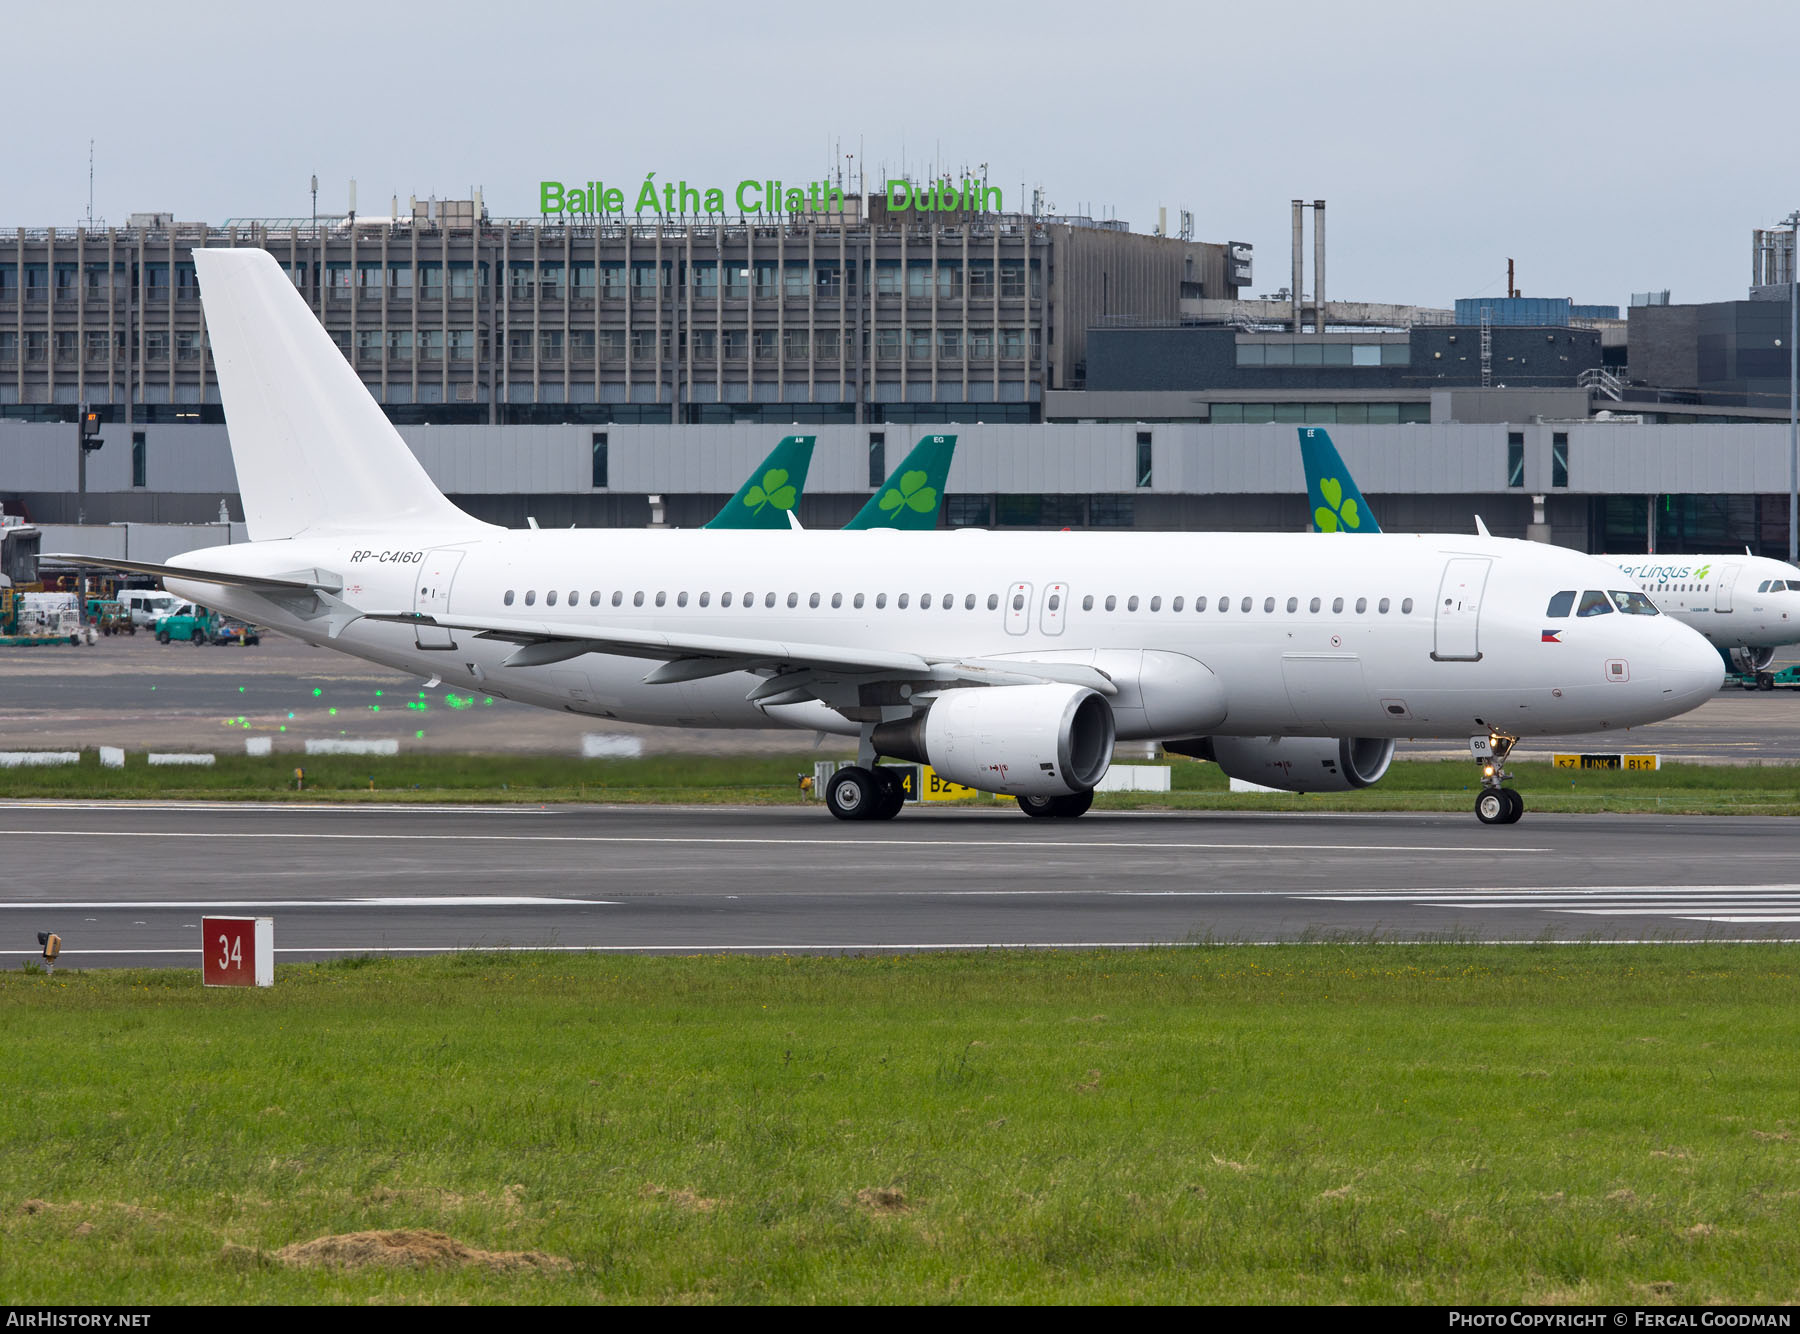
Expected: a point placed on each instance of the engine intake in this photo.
(1025, 741)
(1750, 660)
(1296, 763)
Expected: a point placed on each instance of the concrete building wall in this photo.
(1443, 458)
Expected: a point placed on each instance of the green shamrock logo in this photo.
(773, 491)
(1701, 572)
(1341, 512)
(913, 494)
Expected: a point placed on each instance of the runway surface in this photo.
(126, 884)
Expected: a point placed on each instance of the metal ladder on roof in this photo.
(1487, 347)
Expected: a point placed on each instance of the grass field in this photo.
(1417, 785)
(1311, 1123)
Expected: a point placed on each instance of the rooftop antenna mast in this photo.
(90, 218)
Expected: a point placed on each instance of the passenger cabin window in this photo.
(1362, 605)
(1293, 605)
(1634, 604)
(1594, 603)
(550, 598)
(1337, 605)
(994, 603)
(1406, 607)
(1382, 606)
(594, 598)
(618, 597)
(1200, 603)
(1244, 605)
(508, 599)
(530, 597)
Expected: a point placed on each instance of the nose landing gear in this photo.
(1496, 803)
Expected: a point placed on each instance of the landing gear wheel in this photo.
(890, 794)
(852, 794)
(1038, 808)
(1492, 807)
(1515, 806)
(1076, 803)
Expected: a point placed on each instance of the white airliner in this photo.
(1008, 661)
(1748, 606)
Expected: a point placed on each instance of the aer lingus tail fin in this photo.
(769, 496)
(1337, 506)
(914, 492)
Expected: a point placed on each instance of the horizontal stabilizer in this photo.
(303, 581)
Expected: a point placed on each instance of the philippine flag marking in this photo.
(1552, 637)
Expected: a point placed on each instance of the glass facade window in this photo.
(949, 344)
(1145, 456)
(1515, 458)
(1559, 458)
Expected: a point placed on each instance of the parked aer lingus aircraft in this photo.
(1747, 606)
(1009, 661)
(909, 498)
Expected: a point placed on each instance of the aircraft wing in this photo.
(792, 665)
(302, 581)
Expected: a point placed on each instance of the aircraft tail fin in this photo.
(914, 492)
(314, 452)
(1336, 504)
(769, 495)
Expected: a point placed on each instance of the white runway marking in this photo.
(1747, 904)
(429, 901)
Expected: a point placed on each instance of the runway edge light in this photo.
(237, 951)
(52, 944)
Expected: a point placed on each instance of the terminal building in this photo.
(610, 372)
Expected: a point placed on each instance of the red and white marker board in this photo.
(237, 951)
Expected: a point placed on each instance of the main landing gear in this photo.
(1057, 808)
(1496, 804)
(856, 793)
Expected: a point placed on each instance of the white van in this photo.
(147, 605)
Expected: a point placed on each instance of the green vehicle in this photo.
(189, 621)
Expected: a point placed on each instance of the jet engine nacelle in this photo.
(1296, 763)
(1025, 741)
(1750, 660)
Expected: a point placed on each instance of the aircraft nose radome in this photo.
(1691, 668)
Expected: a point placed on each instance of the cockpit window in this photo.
(1779, 585)
(1560, 603)
(1763, 587)
(1594, 603)
(1634, 604)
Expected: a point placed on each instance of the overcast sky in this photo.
(1607, 148)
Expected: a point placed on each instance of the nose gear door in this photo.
(431, 596)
